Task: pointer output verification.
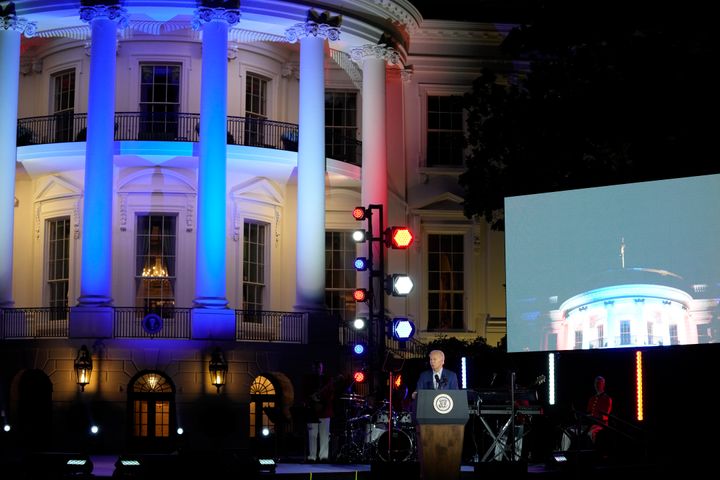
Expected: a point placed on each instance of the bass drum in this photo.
(401, 448)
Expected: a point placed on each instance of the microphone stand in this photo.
(390, 418)
(511, 435)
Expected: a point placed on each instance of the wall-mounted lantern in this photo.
(83, 367)
(218, 369)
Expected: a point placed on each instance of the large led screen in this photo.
(633, 265)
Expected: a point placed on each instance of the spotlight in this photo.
(265, 431)
(77, 466)
(359, 323)
(94, 429)
(180, 431)
(128, 467)
(7, 427)
(359, 349)
(266, 465)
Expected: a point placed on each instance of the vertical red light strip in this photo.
(639, 384)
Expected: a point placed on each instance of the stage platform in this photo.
(104, 466)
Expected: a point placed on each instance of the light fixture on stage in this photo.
(359, 376)
(266, 465)
(94, 429)
(6, 427)
(77, 465)
(218, 369)
(83, 367)
(128, 467)
(359, 323)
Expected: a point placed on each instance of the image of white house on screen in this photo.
(630, 265)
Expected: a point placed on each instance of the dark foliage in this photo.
(614, 94)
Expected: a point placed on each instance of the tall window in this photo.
(601, 336)
(625, 333)
(151, 397)
(64, 105)
(155, 253)
(340, 253)
(159, 101)
(445, 134)
(578, 339)
(253, 265)
(674, 335)
(446, 282)
(341, 126)
(255, 109)
(58, 266)
(552, 341)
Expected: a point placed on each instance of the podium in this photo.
(441, 418)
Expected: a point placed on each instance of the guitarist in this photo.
(319, 395)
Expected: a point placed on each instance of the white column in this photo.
(96, 268)
(210, 275)
(372, 59)
(11, 27)
(310, 254)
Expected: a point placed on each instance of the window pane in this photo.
(155, 261)
(445, 282)
(254, 235)
(58, 259)
(341, 125)
(340, 251)
(445, 131)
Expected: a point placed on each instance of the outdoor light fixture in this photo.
(83, 367)
(398, 285)
(266, 465)
(218, 369)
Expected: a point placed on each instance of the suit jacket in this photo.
(448, 380)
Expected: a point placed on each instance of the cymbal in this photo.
(352, 397)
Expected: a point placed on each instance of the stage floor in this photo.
(104, 466)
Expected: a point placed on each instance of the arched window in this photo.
(151, 400)
(262, 399)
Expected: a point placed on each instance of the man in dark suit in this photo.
(438, 377)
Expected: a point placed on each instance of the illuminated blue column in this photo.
(310, 253)
(96, 269)
(210, 278)
(11, 27)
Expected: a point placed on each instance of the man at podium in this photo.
(438, 377)
(442, 412)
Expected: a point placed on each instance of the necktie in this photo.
(437, 382)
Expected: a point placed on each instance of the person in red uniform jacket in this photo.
(596, 418)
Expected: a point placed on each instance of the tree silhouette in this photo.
(615, 93)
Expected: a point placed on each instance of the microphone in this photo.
(437, 380)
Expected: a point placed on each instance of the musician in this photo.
(596, 417)
(319, 392)
(438, 377)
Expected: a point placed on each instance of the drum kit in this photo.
(371, 434)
